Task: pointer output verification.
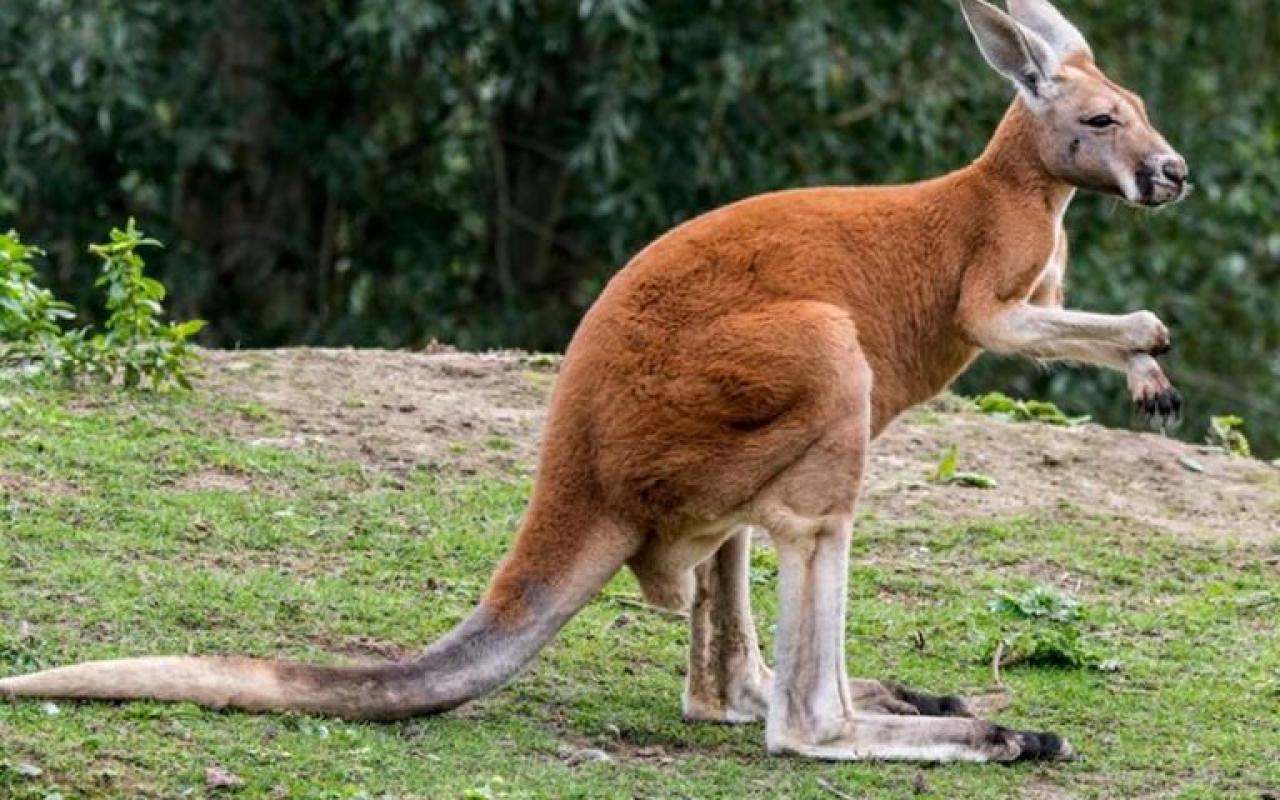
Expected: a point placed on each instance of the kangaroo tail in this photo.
(552, 571)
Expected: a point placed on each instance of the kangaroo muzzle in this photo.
(1162, 179)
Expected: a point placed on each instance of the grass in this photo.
(133, 525)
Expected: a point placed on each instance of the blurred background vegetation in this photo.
(386, 172)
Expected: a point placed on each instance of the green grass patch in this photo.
(133, 524)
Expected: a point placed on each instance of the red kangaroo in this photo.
(731, 378)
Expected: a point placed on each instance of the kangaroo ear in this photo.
(1041, 17)
(1021, 55)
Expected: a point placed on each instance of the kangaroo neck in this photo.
(1007, 189)
(1013, 167)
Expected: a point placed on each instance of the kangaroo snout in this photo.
(1163, 179)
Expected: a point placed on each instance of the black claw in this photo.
(1163, 408)
(1043, 747)
(931, 705)
(952, 706)
(1035, 745)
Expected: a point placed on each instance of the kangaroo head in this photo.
(1090, 132)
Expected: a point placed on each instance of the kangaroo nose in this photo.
(1174, 168)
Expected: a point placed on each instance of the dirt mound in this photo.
(469, 413)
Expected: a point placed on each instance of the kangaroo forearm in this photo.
(1142, 369)
(1058, 335)
(1040, 332)
(1080, 351)
(1126, 344)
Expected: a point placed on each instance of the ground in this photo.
(341, 505)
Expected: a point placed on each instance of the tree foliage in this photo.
(382, 172)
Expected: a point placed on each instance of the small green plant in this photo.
(30, 316)
(500, 443)
(947, 472)
(543, 360)
(1041, 627)
(138, 347)
(1041, 602)
(1227, 432)
(998, 404)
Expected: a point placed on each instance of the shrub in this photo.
(998, 404)
(1227, 432)
(1041, 627)
(136, 348)
(30, 316)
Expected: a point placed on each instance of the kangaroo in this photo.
(731, 379)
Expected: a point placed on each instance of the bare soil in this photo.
(482, 413)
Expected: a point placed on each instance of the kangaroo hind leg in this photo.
(813, 710)
(727, 681)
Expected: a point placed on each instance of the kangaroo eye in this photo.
(1100, 121)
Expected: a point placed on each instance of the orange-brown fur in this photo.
(694, 378)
